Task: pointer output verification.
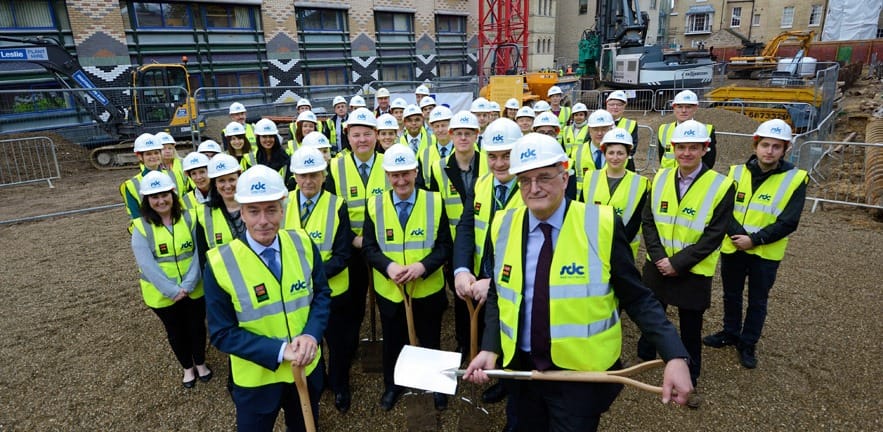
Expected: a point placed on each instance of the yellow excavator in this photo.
(768, 59)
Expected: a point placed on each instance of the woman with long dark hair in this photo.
(238, 145)
(218, 220)
(164, 248)
(270, 151)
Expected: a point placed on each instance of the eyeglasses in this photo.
(541, 180)
(464, 134)
(549, 132)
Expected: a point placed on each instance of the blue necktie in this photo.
(598, 159)
(404, 212)
(363, 173)
(306, 212)
(269, 256)
(500, 202)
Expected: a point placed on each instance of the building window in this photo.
(229, 17)
(162, 15)
(583, 7)
(698, 23)
(238, 83)
(324, 46)
(41, 100)
(28, 14)
(736, 18)
(396, 45)
(451, 44)
(787, 17)
(815, 15)
(755, 20)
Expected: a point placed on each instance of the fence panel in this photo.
(647, 160)
(837, 176)
(662, 97)
(592, 99)
(28, 160)
(639, 100)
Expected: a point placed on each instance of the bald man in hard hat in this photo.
(770, 194)
(267, 304)
(549, 246)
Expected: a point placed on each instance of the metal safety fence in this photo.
(28, 160)
(837, 174)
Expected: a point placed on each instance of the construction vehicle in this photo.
(751, 66)
(512, 82)
(155, 103)
(615, 54)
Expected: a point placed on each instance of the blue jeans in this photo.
(761, 274)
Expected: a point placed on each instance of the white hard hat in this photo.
(480, 105)
(399, 157)
(362, 117)
(155, 182)
(618, 95)
(357, 101)
(387, 122)
(546, 118)
(412, 110)
(440, 113)
(304, 102)
(307, 160)
(512, 103)
(260, 183)
(209, 146)
(541, 106)
(265, 127)
(617, 136)
(164, 138)
(690, 131)
(464, 120)
(579, 107)
(307, 116)
(382, 92)
(338, 100)
(316, 139)
(427, 101)
(525, 111)
(554, 90)
(234, 128)
(601, 118)
(422, 90)
(236, 108)
(533, 151)
(194, 160)
(222, 164)
(147, 142)
(398, 103)
(775, 128)
(500, 135)
(494, 106)
(686, 97)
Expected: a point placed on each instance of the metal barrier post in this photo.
(28, 160)
(838, 172)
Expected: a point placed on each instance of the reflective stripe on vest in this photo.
(583, 308)
(428, 157)
(624, 200)
(571, 140)
(348, 185)
(485, 196)
(583, 162)
(409, 244)
(681, 224)
(217, 229)
(628, 125)
(173, 253)
(321, 226)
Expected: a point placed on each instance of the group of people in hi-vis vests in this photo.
(273, 247)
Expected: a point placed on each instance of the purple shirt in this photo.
(684, 181)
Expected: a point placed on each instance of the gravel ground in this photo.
(80, 351)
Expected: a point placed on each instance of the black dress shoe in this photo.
(440, 400)
(494, 394)
(207, 377)
(390, 397)
(189, 384)
(342, 401)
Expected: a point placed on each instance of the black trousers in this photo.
(185, 329)
(761, 274)
(427, 324)
(691, 337)
(342, 339)
(258, 407)
(360, 274)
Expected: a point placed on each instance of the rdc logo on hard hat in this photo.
(155, 183)
(220, 166)
(400, 160)
(362, 116)
(776, 130)
(690, 132)
(464, 119)
(194, 160)
(528, 154)
(498, 138)
(323, 140)
(388, 122)
(309, 161)
(620, 135)
(259, 187)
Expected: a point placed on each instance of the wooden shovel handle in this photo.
(303, 393)
(474, 309)
(580, 376)
(409, 314)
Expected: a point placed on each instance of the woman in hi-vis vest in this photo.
(164, 248)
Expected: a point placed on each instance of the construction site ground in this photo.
(79, 350)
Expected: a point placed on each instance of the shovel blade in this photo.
(427, 369)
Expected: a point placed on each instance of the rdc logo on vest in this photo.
(316, 235)
(259, 187)
(764, 197)
(689, 211)
(417, 232)
(297, 286)
(377, 191)
(187, 245)
(572, 270)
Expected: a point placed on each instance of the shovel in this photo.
(409, 314)
(473, 326)
(300, 380)
(372, 348)
(437, 371)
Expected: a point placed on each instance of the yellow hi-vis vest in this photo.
(173, 252)
(572, 140)
(664, 136)
(563, 116)
(681, 224)
(407, 245)
(583, 310)
(452, 199)
(583, 162)
(348, 185)
(321, 225)
(485, 197)
(214, 224)
(758, 209)
(248, 160)
(424, 138)
(624, 200)
(265, 305)
(132, 186)
(429, 157)
(292, 144)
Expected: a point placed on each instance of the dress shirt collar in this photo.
(411, 199)
(556, 220)
(257, 247)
